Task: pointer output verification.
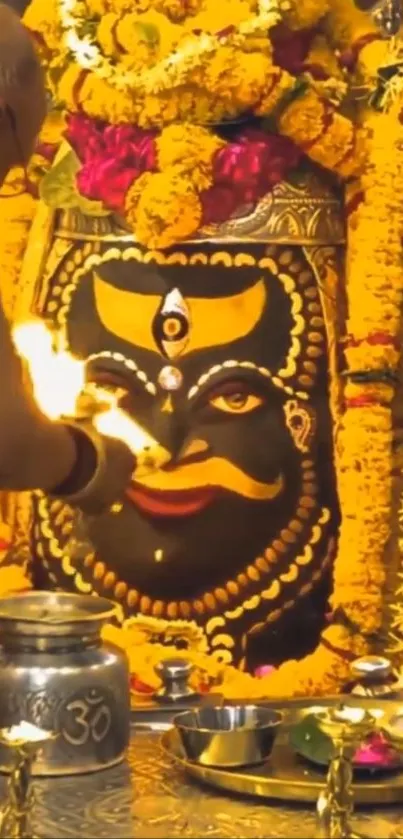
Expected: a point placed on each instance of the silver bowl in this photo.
(228, 736)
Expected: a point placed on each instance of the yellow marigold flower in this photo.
(332, 142)
(167, 211)
(278, 84)
(122, 6)
(214, 16)
(13, 579)
(218, 73)
(78, 88)
(105, 34)
(177, 9)
(67, 86)
(302, 120)
(365, 613)
(156, 111)
(44, 18)
(53, 128)
(251, 74)
(105, 102)
(97, 8)
(191, 148)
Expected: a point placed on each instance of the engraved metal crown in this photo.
(307, 210)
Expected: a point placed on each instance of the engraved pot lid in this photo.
(46, 613)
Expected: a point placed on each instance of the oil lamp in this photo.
(393, 731)
(26, 741)
(346, 727)
(61, 392)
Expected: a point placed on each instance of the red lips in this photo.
(170, 503)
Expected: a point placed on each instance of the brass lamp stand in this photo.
(393, 731)
(346, 728)
(26, 741)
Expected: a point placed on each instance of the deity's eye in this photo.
(235, 398)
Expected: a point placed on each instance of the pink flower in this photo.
(219, 204)
(132, 145)
(106, 181)
(264, 670)
(84, 135)
(376, 752)
(113, 157)
(254, 164)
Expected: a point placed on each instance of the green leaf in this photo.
(307, 740)
(148, 33)
(58, 188)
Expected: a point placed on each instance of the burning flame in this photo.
(58, 378)
(116, 423)
(58, 381)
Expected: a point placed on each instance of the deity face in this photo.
(220, 355)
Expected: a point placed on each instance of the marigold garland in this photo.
(375, 296)
(238, 78)
(240, 25)
(325, 135)
(167, 202)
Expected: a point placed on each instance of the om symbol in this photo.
(86, 719)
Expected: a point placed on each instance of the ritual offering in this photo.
(57, 675)
(210, 232)
(374, 754)
(351, 757)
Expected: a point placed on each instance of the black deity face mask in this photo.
(220, 355)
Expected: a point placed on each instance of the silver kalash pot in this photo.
(57, 673)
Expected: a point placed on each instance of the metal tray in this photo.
(287, 777)
(149, 713)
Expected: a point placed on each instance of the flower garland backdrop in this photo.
(145, 85)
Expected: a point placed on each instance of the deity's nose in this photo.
(170, 428)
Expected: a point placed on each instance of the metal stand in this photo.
(346, 729)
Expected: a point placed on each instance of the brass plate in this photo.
(285, 776)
